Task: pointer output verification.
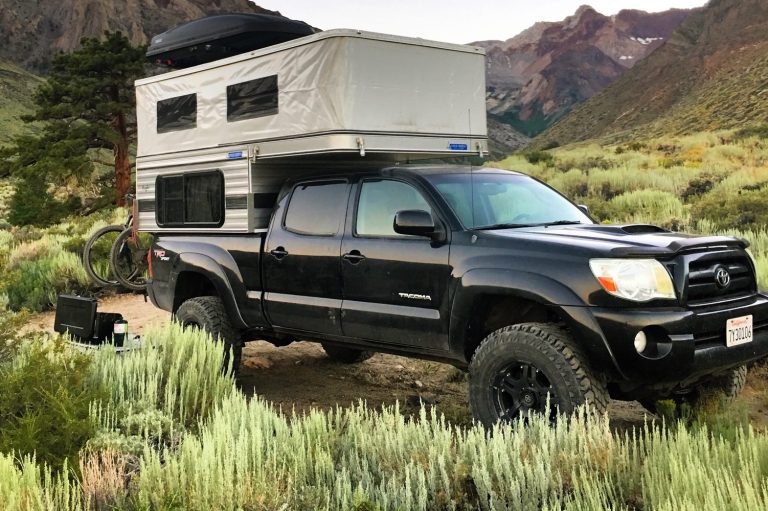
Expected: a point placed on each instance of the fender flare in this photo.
(536, 288)
(225, 278)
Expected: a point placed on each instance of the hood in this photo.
(634, 240)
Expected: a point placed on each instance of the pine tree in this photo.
(87, 104)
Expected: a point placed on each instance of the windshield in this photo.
(504, 200)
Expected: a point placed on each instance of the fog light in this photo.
(640, 341)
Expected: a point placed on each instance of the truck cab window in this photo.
(317, 208)
(379, 203)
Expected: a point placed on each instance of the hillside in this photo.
(30, 31)
(15, 99)
(539, 75)
(711, 74)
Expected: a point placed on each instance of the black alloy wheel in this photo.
(520, 370)
(521, 389)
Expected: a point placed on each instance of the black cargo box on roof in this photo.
(220, 36)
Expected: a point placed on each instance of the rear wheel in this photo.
(208, 313)
(521, 369)
(346, 355)
(97, 253)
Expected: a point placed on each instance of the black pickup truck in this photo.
(485, 269)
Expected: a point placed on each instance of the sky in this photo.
(455, 21)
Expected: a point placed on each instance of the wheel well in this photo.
(490, 313)
(190, 284)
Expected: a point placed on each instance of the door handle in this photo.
(278, 253)
(354, 257)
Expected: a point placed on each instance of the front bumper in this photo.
(690, 343)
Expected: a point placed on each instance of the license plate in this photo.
(738, 331)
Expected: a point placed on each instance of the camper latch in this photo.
(361, 146)
(254, 152)
(480, 151)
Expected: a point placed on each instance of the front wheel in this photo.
(531, 368)
(208, 313)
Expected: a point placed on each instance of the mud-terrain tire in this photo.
(209, 314)
(515, 368)
(346, 355)
(727, 385)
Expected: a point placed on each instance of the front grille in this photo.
(702, 285)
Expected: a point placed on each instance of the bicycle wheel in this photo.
(97, 253)
(129, 259)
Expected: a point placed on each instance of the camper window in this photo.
(190, 200)
(254, 98)
(179, 113)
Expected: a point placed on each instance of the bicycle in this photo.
(111, 261)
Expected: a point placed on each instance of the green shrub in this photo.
(648, 206)
(33, 204)
(537, 157)
(45, 401)
(35, 284)
(26, 485)
(753, 131)
(747, 209)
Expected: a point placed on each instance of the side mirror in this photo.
(414, 222)
(584, 209)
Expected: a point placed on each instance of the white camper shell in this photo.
(342, 92)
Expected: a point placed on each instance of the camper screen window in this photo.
(190, 200)
(254, 98)
(175, 114)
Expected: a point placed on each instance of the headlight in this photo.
(639, 280)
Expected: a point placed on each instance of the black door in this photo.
(394, 285)
(301, 259)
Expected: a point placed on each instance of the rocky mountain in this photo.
(539, 75)
(31, 30)
(712, 73)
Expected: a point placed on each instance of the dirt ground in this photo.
(300, 377)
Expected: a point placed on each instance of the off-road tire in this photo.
(97, 279)
(346, 355)
(727, 385)
(209, 314)
(549, 349)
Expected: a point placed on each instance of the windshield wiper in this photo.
(504, 226)
(519, 226)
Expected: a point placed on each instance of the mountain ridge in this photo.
(31, 31)
(711, 74)
(537, 76)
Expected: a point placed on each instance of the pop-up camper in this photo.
(347, 94)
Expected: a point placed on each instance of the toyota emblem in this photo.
(722, 277)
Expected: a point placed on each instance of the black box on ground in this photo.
(77, 315)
